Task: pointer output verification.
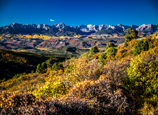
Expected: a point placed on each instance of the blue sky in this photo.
(77, 12)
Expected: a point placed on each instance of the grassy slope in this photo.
(63, 51)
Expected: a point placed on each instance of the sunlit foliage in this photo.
(143, 78)
(103, 96)
(97, 83)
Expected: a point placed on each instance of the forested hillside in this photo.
(12, 63)
(123, 80)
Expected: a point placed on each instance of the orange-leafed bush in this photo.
(103, 97)
(116, 70)
(16, 104)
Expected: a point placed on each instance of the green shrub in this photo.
(94, 49)
(128, 38)
(125, 44)
(143, 78)
(109, 45)
(41, 68)
(102, 57)
(151, 46)
(32, 71)
(3, 79)
(53, 89)
(69, 68)
(50, 62)
(18, 75)
(145, 45)
(111, 51)
(141, 45)
(130, 34)
(59, 88)
(134, 33)
(38, 68)
(57, 66)
(118, 47)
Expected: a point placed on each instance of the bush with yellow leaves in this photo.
(143, 77)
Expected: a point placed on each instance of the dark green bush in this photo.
(141, 45)
(151, 46)
(102, 57)
(130, 34)
(38, 68)
(50, 62)
(3, 79)
(94, 49)
(41, 68)
(145, 45)
(134, 33)
(111, 51)
(57, 66)
(109, 45)
(128, 38)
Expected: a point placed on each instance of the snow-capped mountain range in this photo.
(61, 29)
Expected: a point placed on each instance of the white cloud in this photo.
(52, 20)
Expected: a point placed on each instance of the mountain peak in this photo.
(61, 23)
(56, 29)
(13, 25)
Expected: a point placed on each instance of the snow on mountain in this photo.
(142, 27)
(81, 29)
(60, 25)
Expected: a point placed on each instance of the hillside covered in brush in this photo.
(122, 80)
(15, 63)
(12, 63)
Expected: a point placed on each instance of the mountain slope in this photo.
(122, 80)
(12, 63)
(63, 30)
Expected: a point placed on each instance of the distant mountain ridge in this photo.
(64, 30)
